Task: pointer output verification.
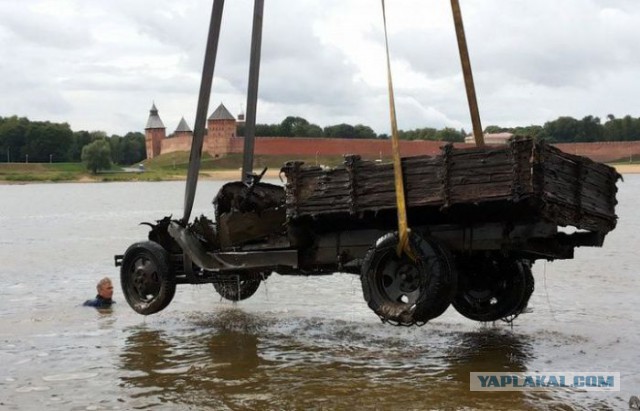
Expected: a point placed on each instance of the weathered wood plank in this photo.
(572, 190)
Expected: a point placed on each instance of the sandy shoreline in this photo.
(627, 168)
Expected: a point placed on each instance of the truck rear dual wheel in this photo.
(148, 284)
(493, 288)
(237, 287)
(404, 291)
(529, 287)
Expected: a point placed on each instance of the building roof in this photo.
(221, 113)
(183, 127)
(491, 138)
(154, 119)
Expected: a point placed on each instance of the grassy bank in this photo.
(34, 172)
(172, 166)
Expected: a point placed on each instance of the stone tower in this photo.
(183, 129)
(221, 128)
(154, 133)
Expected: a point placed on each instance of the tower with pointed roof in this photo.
(154, 133)
(183, 129)
(221, 129)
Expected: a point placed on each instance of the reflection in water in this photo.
(203, 366)
(490, 350)
(232, 359)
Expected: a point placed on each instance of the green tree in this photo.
(535, 132)
(313, 130)
(426, 133)
(495, 129)
(298, 127)
(97, 156)
(115, 145)
(591, 129)
(46, 141)
(450, 134)
(131, 148)
(290, 125)
(563, 129)
(621, 129)
(363, 131)
(78, 140)
(12, 138)
(340, 131)
(262, 130)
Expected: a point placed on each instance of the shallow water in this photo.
(299, 343)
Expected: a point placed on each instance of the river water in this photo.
(299, 343)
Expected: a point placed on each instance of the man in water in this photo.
(105, 292)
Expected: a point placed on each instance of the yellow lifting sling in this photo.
(401, 204)
(403, 227)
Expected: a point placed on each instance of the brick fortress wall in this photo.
(599, 151)
(606, 151)
(220, 139)
(370, 149)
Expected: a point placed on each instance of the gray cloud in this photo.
(98, 65)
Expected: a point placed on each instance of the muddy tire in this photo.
(529, 287)
(148, 284)
(406, 292)
(491, 288)
(237, 287)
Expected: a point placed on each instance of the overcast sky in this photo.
(99, 65)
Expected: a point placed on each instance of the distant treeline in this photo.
(569, 129)
(43, 141)
(561, 130)
(300, 127)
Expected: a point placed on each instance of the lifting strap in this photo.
(403, 226)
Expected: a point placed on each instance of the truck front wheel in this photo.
(148, 284)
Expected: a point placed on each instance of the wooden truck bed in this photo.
(521, 181)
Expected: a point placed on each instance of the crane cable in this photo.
(403, 226)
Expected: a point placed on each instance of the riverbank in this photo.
(39, 178)
(18, 173)
(153, 170)
(631, 168)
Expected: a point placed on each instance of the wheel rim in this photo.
(486, 297)
(146, 282)
(398, 280)
(490, 290)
